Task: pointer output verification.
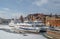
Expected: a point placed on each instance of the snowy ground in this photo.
(7, 35)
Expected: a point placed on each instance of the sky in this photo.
(16, 8)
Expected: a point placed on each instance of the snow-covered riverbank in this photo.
(7, 35)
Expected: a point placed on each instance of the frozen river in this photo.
(7, 35)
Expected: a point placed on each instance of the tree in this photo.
(50, 14)
(21, 18)
(56, 15)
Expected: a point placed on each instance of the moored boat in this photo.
(27, 26)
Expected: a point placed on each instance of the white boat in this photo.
(12, 23)
(26, 26)
(36, 23)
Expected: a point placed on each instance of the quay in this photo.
(52, 34)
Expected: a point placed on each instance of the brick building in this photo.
(53, 21)
(33, 17)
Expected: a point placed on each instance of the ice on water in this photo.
(7, 35)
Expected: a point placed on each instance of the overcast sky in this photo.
(14, 8)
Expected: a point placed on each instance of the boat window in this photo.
(37, 25)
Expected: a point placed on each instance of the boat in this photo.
(27, 26)
(11, 24)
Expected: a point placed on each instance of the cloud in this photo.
(4, 10)
(17, 15)
(40, 2)
(2, 15)
(5, 13)
(7, 9)
(9, 13)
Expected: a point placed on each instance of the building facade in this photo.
(53, 21)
